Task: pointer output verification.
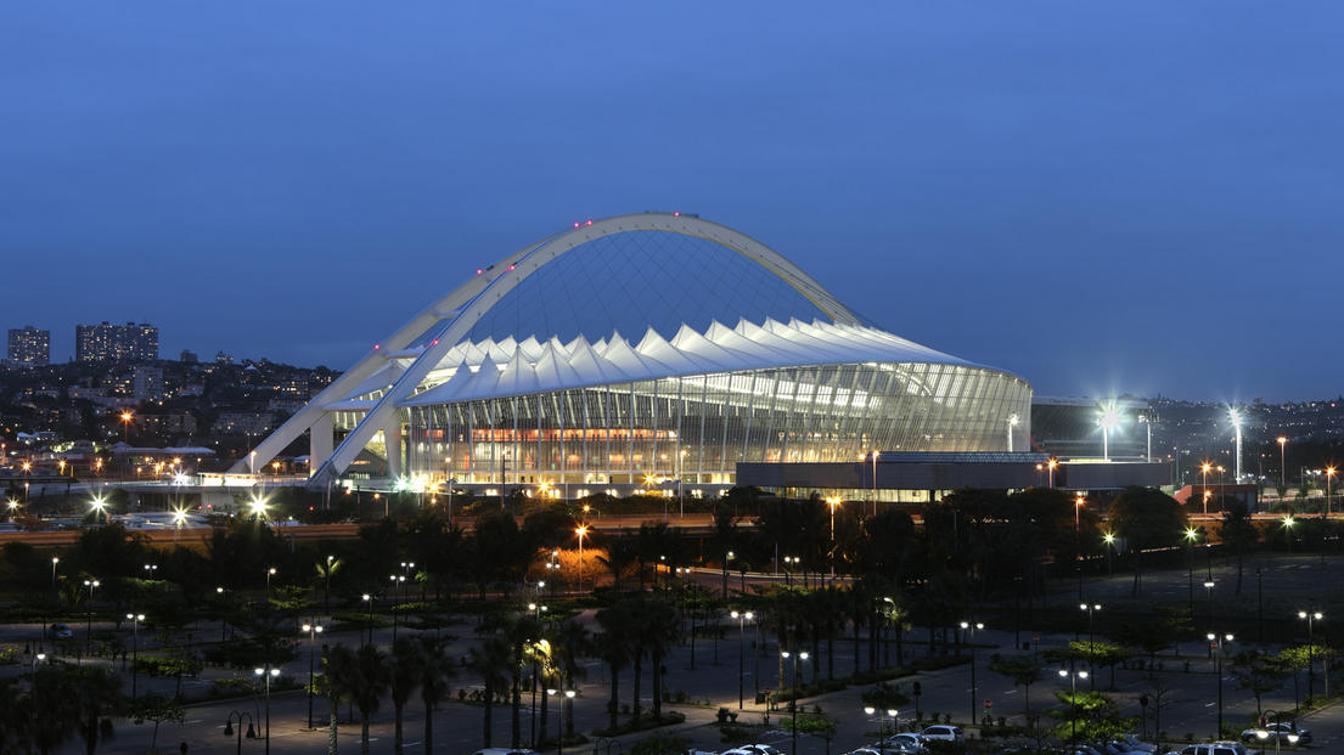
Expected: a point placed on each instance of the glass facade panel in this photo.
(697, 428)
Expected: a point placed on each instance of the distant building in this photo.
(147, 383)
(1070, 428)
(222, 358)
(105, 342)
(29, 346)
(189, 357)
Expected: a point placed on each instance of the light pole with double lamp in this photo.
(92, 584)
(1311, 617)
(135, 618)
(1090, 608)
(368, 599)
(891, 714)
(313, 630)
(267, 673)
(1073, 699)
(1208, 586)
(1262, 733)
(396, 581)
(970, 628)
(793, 704)
(742, 617)
(1216, 644)
(239, 718)
(567, 698)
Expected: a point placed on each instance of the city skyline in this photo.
(1097, 221)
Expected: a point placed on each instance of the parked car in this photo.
(504, 751)
(942, 733)
(865, 751)
(1119, 746)
(61, 632)
(760, 749)
(1282, 730)
(906, 741)
(1136, 744)
(1219, 748)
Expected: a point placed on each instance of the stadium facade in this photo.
(647, 350)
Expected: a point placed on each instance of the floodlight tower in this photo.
(1109, 418)
(1013, 419)
(1234, 415)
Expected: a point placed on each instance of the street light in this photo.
(92, 584)
(1283, 470)
(1090, 608)
(313, 631)
(1191, 535)
(267, 673)
(793, 704)
(1262, 734)
(1204, 470)
(367, 598)
(893, 715)
(239, 717)
(270, 572)
(54, 560)
(833, 502)
(98, 507)
(581, 530)
(1109, 539)
(742, 618)
(567, 698)
(1216, 642)
(972, 628)
(257, 505)
(875, 455)
(1311, 617)
(1013, 420)
(396, 581)
(1148, 425)
(135, 618)
(1329, 477)
(1073, 698)
(1051, 464)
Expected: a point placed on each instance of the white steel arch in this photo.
(461, 309)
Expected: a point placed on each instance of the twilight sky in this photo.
(1141, 196)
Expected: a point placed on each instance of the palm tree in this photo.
(406, 671)
(621, 554)
(436, 668)
(340, 678)
(326, 569)
(491, 660)
(658, 630)
(614, 647)
(571, 643)
(373, 679)
(14, 719)
(52, 694)
(97, 697)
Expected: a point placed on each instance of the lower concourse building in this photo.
(655, 350)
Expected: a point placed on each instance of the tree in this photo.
(1238, 533)
(658, 629)
(373, 680)
(340, 678)
(615, 647)
(404, 675)
(491, 660)
(1146, 518)
(156, 709)
(1257, 673)
(97, 696)
(1024, 670)
(570, 643)
(436, 668)
(15, 718)
(620, 554)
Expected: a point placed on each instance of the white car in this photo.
(1287, 731)
(906, 741)
(942, 733)
(504, 751)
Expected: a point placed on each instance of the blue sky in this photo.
(1139, 196)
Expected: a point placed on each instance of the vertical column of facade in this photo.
(321, 441)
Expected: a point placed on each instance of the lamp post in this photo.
(1078, 502)
(135, 618)
(367, 598)
(267, 673)
(1148, 425)
(833, 502)
(966, 626)
(1073, 699)
(875, 455)
(567, 698)
(396, 581)
(239, 717)
(1050, 465)
(742, 618)
(1329, 477)
(1208, 587)
(1108, 418)
(1283, 470)
(1262, 734)
(270, 572)
(1013, 419)
(54, 560)
(793, 704)
(1108, 539)
(1204, 470)
(892, 714)
(92, 584)
(1311, 617)
(1216, 644)
(1090, 608)
(581, 530)
(313, 631)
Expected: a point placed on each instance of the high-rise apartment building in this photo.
(104, 342)
(29, 346)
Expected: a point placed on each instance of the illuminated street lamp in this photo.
(312, 630)
(793, 704)
(127, 417)
(135, 619)
(1329, 478)
(967, 626)
(1311, 617)
(1283, 469)
(1204, 470)
(1073, 678)
(581, 531)
(257, 506)
(98, 506)
(833, 502)
(568, 697)
(1051, 465)
(742, 618)
(268, 673)
(1216, 641)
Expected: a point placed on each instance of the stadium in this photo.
(645, 351)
